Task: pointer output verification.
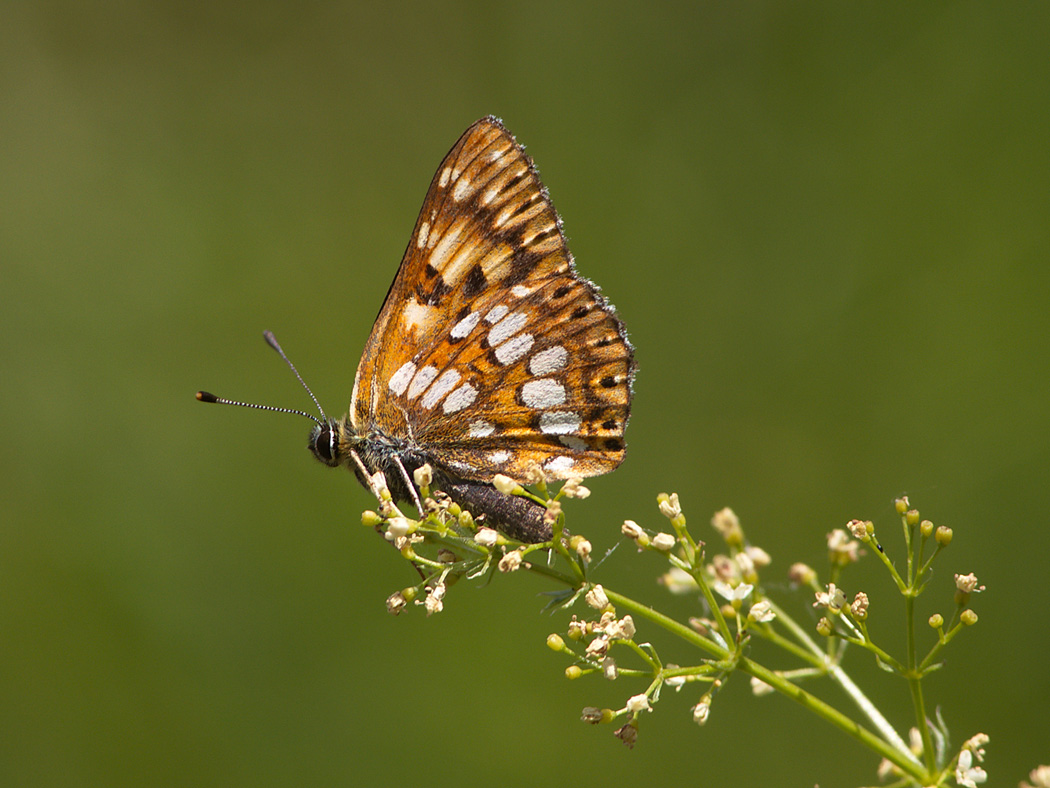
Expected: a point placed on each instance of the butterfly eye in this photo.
(323, 443)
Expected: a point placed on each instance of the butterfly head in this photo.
(324, 443)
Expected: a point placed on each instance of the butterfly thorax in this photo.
(337, 442)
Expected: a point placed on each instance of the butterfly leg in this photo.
(366, 475)
(410, 486)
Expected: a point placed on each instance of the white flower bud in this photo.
(504, 484)
(663, 542)
(486, 537)
(597, 598)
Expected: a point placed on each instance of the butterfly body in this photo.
(490, 354)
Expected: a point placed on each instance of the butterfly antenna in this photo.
(205, 396)
(271, 340)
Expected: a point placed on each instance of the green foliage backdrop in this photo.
(825, 226)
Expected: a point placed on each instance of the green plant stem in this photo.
(817, 658)
(943, 640)
(900, 582)
(771, 635)
(549, 571)
(867, 645)
(926, 566)
(838, 719)
(642, 653)
(908, 547)
(685, 633)
(820, 708)
(801, 635)
(914, 682)
(696, 571)
(869, 710)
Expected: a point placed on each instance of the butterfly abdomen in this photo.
(519, 518)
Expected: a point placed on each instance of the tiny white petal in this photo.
(597, 598)
(761, 611)
(637, 703)
(663, 541)
(486, 537)
(504, 484)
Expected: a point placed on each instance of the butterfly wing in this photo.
(490, 352)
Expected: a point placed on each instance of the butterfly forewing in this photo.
(490, 352)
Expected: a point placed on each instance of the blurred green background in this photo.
(825, 226)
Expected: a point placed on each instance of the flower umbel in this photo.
(733, 610)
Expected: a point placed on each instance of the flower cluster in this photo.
(735, 613)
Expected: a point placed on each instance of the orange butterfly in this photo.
(490, 352)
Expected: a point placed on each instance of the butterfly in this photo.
(491, 354)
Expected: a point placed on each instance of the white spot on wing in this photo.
(443, 248)
(415, 314)
(574, 443)
(559, 422)
(507, 327)
(500, 457)
(513, 215)
(445, 175)
(513, 349)
(442, 386)
(465, 326)
(496, 313)
(463, 189)
(420, 382)
(520, 291)
(501, 191)
(528, 239)
(502, 216)
(547, 361)
(424, 233)
(494, 263)
(463, 397)
(560, 463)
(399, 380)
(481, 429)
(543, 393)
(459, 263)
(489, 195)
